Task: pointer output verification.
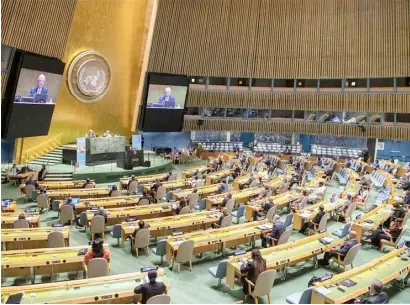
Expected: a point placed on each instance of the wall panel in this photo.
(373, 131)
(38, 26)
(283, 38)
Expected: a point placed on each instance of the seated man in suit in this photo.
(152, 288)
(342, 250)
(39, 89)
(41, 174)
(103, 213)
(315, 219)
(343, 209)
(145, 196)
(167, 99)
(87, 182)
(225, 200)
(319, 192)
(376, 294)
(156, 185)
(277, 231)
(265, 208)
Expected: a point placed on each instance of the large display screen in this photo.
(164, 102)
(32, 94)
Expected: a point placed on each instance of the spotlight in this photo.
(193, 80)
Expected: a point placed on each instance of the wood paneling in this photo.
(373, 131)
(3, 82)
(38, 26)
(373, 102)
(283, 38)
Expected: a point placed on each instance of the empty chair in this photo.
(115, 193)
(160, 250)
(144, 201)
(97, 267)
(97, 226)
(185, 254)
(193, 200)
(67, 214)
(159, 299)
(271, 213)
(201, 205)
(240, 212)
(226, 221)
(28, 189)
(42, 201)
(160, 193)
(116, 232)
(141, 241)
(349, 257)
(342, 232)
(263, 285)
(219, 272)
(289, 220)
(133, 187)
(185, 210)
(21, 224)
(56, 239)
(300, 297)
(229, 205)
(173, 177)
(284, 238)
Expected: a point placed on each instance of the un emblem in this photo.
(88, 77)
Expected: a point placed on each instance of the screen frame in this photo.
(152, 78)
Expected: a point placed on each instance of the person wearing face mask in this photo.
(376, 294)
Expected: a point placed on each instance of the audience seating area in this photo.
(277, 148)
(221, 146)
(319, 150)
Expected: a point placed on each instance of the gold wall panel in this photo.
(373, 131)
(283, 38)
(373, 102)
(38, 26)
(3, 82)
(115, 30)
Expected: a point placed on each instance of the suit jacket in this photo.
(318, 216)
(149, 290)
(381, 298)
(34, 91)
(346, 246)
(103, 214)
(223, 203)
(171, 100)
(278, 229)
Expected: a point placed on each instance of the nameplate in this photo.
(249, 234)
(56, 262)
(197, 222)
(106, 297)
(317, 251)
(213, 242)
(282, 262)
(403, 270)
(22, 238)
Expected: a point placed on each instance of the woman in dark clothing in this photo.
(393, 232)
(253, 269)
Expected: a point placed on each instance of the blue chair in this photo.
(201, 205)
(219, 272)
(342, 232)
(116, 233)
(160, 249)
(83, 220)
(289, 220)
(240, 212)
(300, 297)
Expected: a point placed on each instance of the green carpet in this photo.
(198, 286)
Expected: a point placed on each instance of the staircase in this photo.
(53, 157)
(59, 176)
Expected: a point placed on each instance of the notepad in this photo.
(323, 290)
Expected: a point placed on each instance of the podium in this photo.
(131, 158)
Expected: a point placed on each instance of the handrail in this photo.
(43, 148)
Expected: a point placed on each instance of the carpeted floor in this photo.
(199, 286)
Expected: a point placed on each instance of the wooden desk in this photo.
(8, 219)
(106, 202)
(239, 196)
(274, 183)
(20, 177)
(82, 193)
(202, 191)
(280, 201)
(142, 179)
(58, 185)
(189, 172)
(377, 216)
(108, 289)
(237, 183)
(32, 262)
(171, 185)
(216, 177)
(10, 207)
(118, 215)
(308, 213)
(31, 238)
(385, 268)
(283, 256)
(164, 226)
(218, 239)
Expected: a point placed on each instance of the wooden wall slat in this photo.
(37, 26)
(373, 102)
(282, 38)
(373, 131)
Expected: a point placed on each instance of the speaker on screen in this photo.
(164, 102)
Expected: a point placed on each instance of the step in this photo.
(58, 179)
(59, 174)
(48, 158)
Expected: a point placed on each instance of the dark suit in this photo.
(170, 102)
(149, 290)
(344, 248)
(145, 197)
(40, 174)
(33, 91)
(276, 233)
(223, 203)
(103, 214)
(315, 219)
(381, 298)
(406, 200)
